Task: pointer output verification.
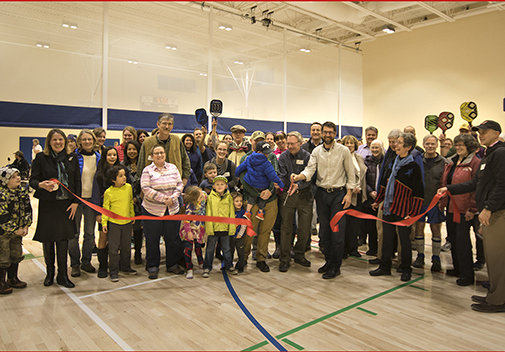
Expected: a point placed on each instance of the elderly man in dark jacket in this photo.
(489, 187)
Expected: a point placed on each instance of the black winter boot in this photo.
(61, 256)
(13, 280)
(49, 257)
(103, 259)
(137, 240)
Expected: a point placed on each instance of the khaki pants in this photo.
(494, 249)
(263, 233)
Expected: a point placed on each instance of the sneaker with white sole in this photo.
(189, 274)
(206, 273)
(114, 278)
(446, 247)
(232, 271)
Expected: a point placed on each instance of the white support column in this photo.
(105, 63)
(285, 82)
(339, 105)
(209, 64)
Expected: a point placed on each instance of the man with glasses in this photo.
(335, 182)
(174, 148)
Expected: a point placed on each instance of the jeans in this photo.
(210, 248)
(328, 204)
(88, 241)
(153, 230)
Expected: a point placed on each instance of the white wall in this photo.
(409, 75)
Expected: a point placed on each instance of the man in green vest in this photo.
(174, 149)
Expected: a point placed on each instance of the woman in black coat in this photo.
(57, 207)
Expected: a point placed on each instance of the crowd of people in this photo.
(283, 184)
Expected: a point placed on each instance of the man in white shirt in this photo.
(335, 182)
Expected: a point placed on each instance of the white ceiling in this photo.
(141, 30)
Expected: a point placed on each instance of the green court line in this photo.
(420, 288)
(366, 311)
(31, 256)
(295, 345)
(331, 315)
(258, 345)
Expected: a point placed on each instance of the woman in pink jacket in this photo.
(462, 168)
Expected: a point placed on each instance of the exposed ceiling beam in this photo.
(324, 18)
(435, 11)
(376, 15)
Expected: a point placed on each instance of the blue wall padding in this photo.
(40, 116)
(58, 116)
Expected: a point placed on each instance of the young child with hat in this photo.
(15, 218)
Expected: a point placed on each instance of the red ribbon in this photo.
(205, 218)
(406, 222)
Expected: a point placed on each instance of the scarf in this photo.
(235, 147)
(62, 174)
(390, 188)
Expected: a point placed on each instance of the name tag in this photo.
(483, 166)
(299, 162)
(226, 174)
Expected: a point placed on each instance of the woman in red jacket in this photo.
(462, 168)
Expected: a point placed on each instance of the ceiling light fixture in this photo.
(203, 74)
(171, 47)
(238, 62)
(305, 50)
(225, 27)
(67, 24)
(42, 45)
(388, 29)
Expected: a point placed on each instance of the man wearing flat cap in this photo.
(489, 187)
(240, 146)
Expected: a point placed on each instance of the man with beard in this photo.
(335, 182)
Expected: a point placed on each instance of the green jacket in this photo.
(219, 206)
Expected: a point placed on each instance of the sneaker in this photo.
(129, 271)
(277, 253)
(260, 215)
(436, 265)
(446, 247)
(76, 271)
(247, 215)
(88, 268)
(189, 274)
(206, 273)
(419, 262)
(232, 271)
(114, 278)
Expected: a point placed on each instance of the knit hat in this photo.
(6, 174)
(220, 178)
(72, 137)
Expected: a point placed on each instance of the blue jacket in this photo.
(259, 171)
(81, 159)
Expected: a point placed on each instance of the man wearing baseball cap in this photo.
(489, 187)
(240, 146)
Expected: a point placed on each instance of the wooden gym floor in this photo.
(253, 311)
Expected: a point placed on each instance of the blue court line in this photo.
(253, 320)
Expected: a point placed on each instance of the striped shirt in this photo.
(157, 184)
